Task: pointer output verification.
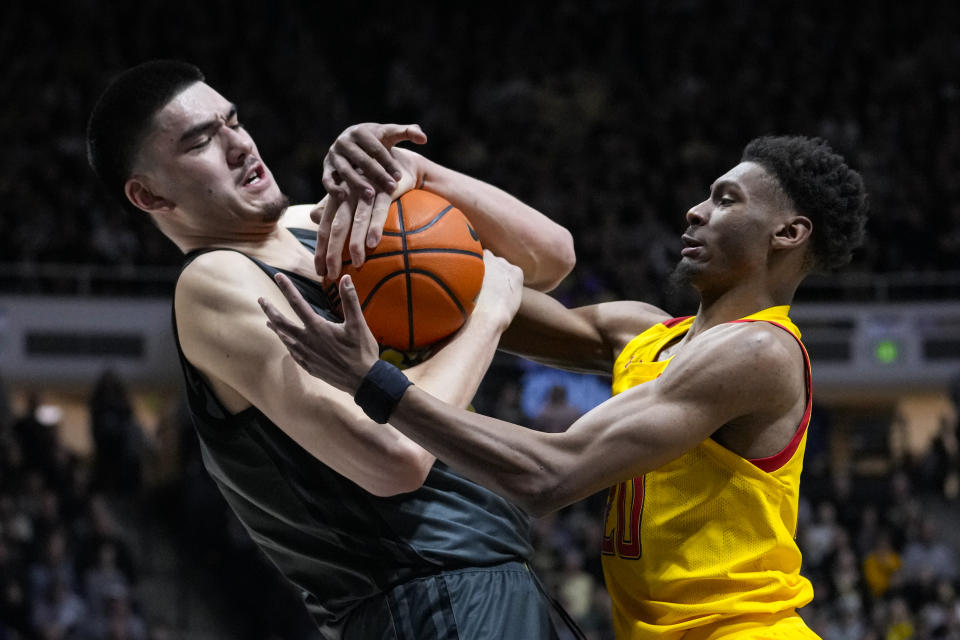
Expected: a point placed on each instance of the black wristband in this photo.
(381, 390)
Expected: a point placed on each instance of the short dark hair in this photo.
(123, 114)
(822, 187)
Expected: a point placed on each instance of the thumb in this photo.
(402, 133)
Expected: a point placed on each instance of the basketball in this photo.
(420, 283)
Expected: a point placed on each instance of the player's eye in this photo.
(201, 144)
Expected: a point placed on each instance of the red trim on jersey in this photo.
(777, 460)
(674, 321)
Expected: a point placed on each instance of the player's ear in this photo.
(792, 232)
(143, 197)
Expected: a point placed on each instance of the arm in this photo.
(506, 226)
(743, 374)
(222, 333)
(586, 339)
(362, 167)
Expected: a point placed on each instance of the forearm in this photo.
(543, 472)
(453, 374)
(506, 226)
(527, 467)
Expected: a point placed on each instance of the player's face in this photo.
(201, 159)
(728, 235)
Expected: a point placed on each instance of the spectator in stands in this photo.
(557, 414)
(117, 436)
(104, 580)
(507, 405)
(881, 565)
(115, 620)
(900, 624)
(927, 560)
(54, 566)
(820, 538)
(58, 612)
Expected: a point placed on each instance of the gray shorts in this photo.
(502, 602)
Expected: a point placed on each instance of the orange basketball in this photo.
(420, 283)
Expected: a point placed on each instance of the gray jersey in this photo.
(331, 538)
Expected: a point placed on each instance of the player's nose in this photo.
(697, 214)
(239, 146)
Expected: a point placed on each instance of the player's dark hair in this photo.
(123, 114)
(822, 187)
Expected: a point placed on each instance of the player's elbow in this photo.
(556, 262)
(538, 492)
(404, 471)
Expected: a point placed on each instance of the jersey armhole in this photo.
(672, 322)
(778, 460)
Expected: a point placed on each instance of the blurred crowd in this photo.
(612, 117)
(68, 566)
(879, 547)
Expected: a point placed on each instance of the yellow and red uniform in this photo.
(703, 547)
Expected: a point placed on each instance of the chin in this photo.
(272, 211)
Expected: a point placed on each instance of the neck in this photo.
(251, 242)
(270, 242)
(732, 304)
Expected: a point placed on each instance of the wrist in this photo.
(426, 173)
(380, 391)
(493, 319)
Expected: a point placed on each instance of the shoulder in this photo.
(298, 216)
(743, 364)
(750, 347)
(217, 273)
(216, 289)
(758, 342)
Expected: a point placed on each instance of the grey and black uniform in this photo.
(447, 561)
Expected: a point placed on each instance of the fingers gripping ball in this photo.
(420, 283)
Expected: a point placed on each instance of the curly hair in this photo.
(123, 114)
(822, 187)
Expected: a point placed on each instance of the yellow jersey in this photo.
(703, 547)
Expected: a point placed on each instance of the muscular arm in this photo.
(357, 175)
(506, 226)
(586, 339)
(733, 374)
(223, 333)
(741, 380)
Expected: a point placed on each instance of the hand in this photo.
(362, 174)
(501, 290)
(337, 353)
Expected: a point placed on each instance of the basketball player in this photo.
(702, 443)
(383, 541)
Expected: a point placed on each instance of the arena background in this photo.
(613, 117)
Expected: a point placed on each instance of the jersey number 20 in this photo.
(622, 520)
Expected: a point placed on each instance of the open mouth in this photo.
(254, 176)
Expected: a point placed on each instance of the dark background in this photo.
(613, 117)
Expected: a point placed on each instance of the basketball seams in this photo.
(422, 243)
(406, 270)
(443, 285)
(382, 281)
(432, 222)
(394, 254)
